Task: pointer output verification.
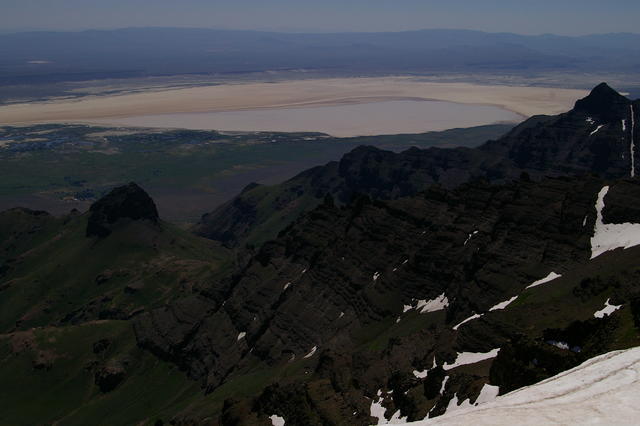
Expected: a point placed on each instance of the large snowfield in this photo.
(602, 390)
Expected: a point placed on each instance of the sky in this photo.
(566, 17)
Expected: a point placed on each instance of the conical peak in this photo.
(603, 100)
(128, 201)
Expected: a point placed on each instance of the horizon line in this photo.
(295, 31)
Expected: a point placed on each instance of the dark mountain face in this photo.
(595, 137)
(124, 202)
(339, 279)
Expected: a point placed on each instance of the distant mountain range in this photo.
(36, 57)
(381, 287)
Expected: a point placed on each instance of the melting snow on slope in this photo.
(632, 146)
(276, 420)
(433, 305)
(603, 390)
(453, 404)
(444, 384)
(611, 236)
(607, 310)
(465, 358)
(469, 237)
(471, 318)
(504, 304)
(423, 374)
(552, 276)
(597, 129)
(241, 335)
(313, 351)
(559, 345)
(377, 410)
(487, 394)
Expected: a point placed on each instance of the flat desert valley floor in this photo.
(386, 106)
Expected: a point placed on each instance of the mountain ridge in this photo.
(569, 143)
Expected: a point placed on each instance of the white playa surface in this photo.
(176, 107)
(603, 390)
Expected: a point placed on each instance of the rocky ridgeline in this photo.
(595, 137)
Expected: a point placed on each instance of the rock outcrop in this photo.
(124, 202)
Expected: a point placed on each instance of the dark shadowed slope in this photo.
(595, 137)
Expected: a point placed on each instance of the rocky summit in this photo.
(125, 202)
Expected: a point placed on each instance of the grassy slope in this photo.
(60, 273)
(213, 167)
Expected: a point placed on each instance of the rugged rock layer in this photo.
(338, 273)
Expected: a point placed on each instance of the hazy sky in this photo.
(526, 17)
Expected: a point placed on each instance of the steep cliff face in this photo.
(597, 136)
(364, 294)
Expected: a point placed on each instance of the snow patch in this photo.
(590, 120)
(559, 345)
(377, 410)
(487, 394)
(469, 237)
(624, 125)
(453, 404)
(433, 305)
(611, 236)
(471, 318)
(276, 420)
(286, 286)
(607, 310)
(465, 358)
(632, 146)
(376, 276)
(310, 354)
(421, 374)
(603, 390)
(552, 276)
(444, 384)
(504, 304)
(597, 129)
(241, 335)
